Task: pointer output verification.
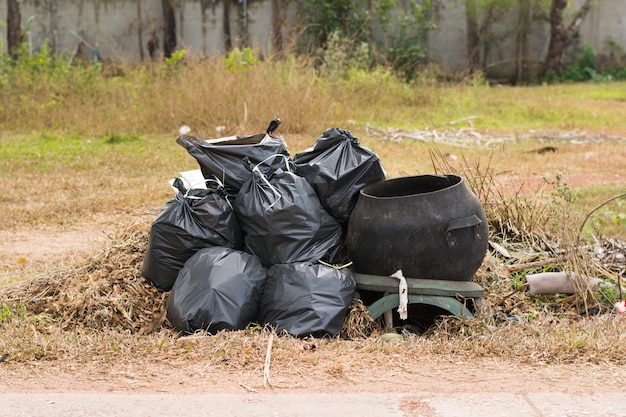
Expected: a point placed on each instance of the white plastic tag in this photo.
(403, 293)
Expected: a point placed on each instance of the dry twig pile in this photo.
(107, 290)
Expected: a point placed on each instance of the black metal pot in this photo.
(430, 227)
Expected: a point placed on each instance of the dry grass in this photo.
(204, 93)
(104, 291)
(540, 232)
(83, 178)
(155, 99)
(103, 309)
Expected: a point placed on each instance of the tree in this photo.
(14, 28)
(243, 39)
(278, 21)
(522, 44)
(169, 27)
(407, 50)
(324, 20)
(472, 36)
(139, 30)
(228, 42)
(562, 36)
(480, 15)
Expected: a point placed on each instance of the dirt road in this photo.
(432, 387)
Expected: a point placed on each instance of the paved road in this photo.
(309, 405)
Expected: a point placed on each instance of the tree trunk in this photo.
(228, 42)
(473, 37)
(139, 30)
(277, 27)
(169, 27)
(561, 36)
(243, 22)
(483, 34)
(523, 29)
(14, 28)
(478, 34)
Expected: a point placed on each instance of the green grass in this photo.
(610, 217)
(51, 178)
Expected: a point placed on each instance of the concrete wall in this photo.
(447, 44)
(606, 20)
(112, 27)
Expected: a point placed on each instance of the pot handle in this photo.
(471, 221)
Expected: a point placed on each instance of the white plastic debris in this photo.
(193, 178)
(403, 292)
(547, 283)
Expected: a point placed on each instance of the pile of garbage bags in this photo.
(261, 240)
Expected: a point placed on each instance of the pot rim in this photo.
(455, 180)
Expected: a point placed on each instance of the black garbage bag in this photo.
(192, 220)
(307, 299)
(337, 167)
(217, 289)
(223, 157)
(282, 219)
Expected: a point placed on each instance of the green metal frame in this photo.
(439, 293)
(392, 301)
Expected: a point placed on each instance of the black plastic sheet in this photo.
(307, 299)
(192, 220)
(223, 158)
(283, 220)
(217, 289)
(337, 167)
